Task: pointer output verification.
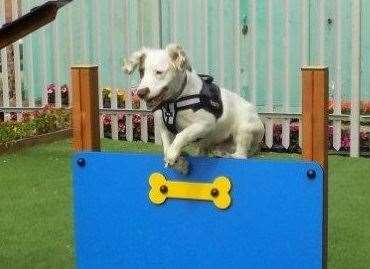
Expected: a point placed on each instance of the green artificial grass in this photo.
(35, 208)
(349, 212)
(36, 229)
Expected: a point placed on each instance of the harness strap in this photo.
(209, 99)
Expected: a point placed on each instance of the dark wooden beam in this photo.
(30, 22)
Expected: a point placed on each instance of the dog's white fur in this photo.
(163, 74)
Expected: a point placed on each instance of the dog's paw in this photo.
(171, 157)
(182, 165)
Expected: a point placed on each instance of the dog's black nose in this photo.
(143, 93)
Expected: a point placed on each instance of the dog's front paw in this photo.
(171, 157)
(181, 165)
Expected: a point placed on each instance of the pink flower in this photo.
(122, 116)
(135, 97)
(50, 88)
(121, 125)
(136, 118)
(122, 128)
(107, 119)
(294, 127)
(346, 140)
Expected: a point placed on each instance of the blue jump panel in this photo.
(275, 219)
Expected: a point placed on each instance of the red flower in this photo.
(26, 116)
(64, 88)
(365, 107)
(346, 107)
(13, 116)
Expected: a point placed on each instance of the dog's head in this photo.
(162, 72)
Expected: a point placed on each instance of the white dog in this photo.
(190, 108)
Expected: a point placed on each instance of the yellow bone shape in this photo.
(217, 192)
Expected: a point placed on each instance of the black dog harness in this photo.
(208, 99)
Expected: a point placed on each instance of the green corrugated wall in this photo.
(185, 22)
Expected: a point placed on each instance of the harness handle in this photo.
(207, 78)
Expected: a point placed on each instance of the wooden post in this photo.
(315, 129)
(315, 114)
(85, 108)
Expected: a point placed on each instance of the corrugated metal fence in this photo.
(255, 48)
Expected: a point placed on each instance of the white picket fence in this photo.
(116, 114)
(26, 101)
(127, 118)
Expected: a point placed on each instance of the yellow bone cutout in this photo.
(217, 192)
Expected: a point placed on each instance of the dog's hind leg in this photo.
(243, 142)
(247, 140)
(224, 149)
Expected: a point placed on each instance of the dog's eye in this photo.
(158, 72)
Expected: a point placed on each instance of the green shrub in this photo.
(42, 121)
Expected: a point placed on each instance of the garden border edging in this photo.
(35, 140)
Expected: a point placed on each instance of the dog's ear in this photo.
(136, 59)
(178, 57)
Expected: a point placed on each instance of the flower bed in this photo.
(346, 106)
(50, 121)
(45, 120)
(294, 138)
(136, 126)
(277, 132)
